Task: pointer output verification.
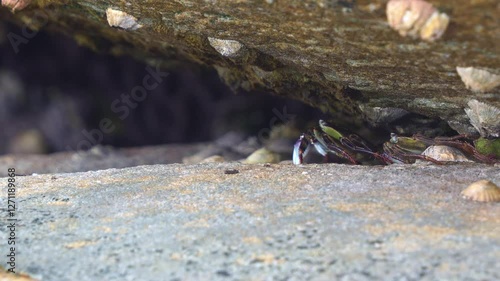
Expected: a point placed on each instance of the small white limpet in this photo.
(227, 48)
(121, 19)
(479, 79)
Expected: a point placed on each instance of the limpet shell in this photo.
(213, 159)
(121, 19)
(416, 18)
(484, 117)
(262, 155)
(445, 154)
(479, 79)
(16, 5)
(482, 191)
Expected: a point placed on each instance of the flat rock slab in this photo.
(265, 222)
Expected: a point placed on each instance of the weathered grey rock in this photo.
(335, 55)
(312, 222)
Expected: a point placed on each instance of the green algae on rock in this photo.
(488, 146)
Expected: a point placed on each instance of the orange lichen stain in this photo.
(176, 256)
(107, 219)
(266, 258)
(241, 203)
(202, 223)
(78, 244)
(52, 226)
(106, 179)
(8, 276)
(483, 221)
(241, 261)
(251, 240)
(212, 178)
(125, 215)
(483, 214)
(412, 237)
(368, 209)
(58, 203)
(228, 210)
(104, 229)
(186, 191)
(299, 208)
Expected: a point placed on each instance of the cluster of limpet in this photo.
(416, 18)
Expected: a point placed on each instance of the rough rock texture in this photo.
(331, 54)
(280, 222)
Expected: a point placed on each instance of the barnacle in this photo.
(16, 4)
(482, 191)
(121, 19)
(479, 79)
(484, 117)
(416, 18)
(227, 48)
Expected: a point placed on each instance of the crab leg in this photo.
(333, 147)
(397, 155)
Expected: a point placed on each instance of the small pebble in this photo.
(231, 171)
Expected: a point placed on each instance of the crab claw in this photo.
(300, 149)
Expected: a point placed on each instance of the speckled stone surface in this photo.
(266, 222)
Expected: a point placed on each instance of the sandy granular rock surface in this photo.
(274, 222)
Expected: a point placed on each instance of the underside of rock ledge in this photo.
(334, 55)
